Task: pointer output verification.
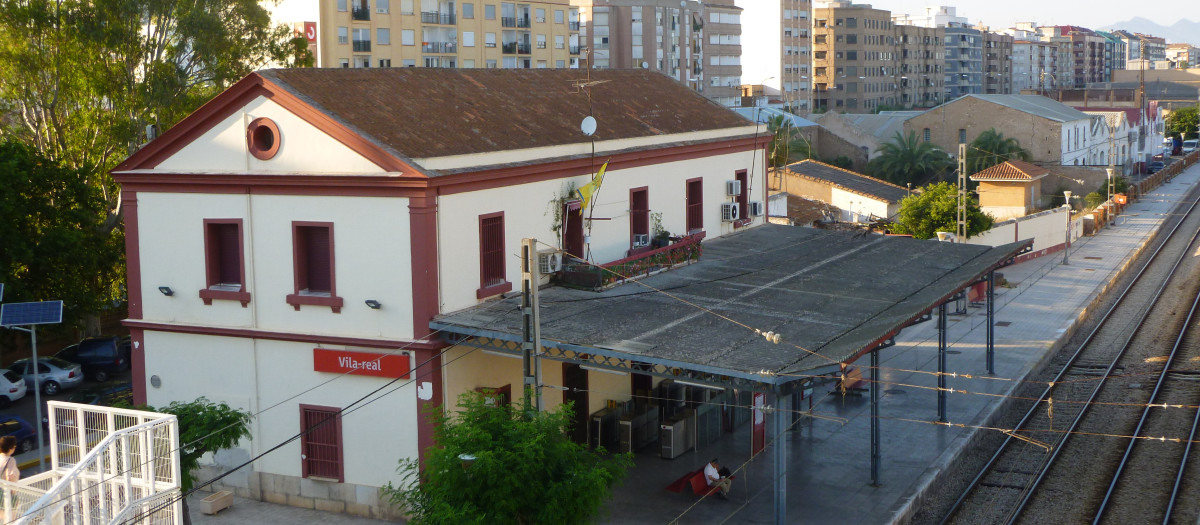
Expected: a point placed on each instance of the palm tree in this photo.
(991, 148)
(787, 145)
(907, 160)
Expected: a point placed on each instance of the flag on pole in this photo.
(589, 190)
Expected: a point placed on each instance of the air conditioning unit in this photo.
(756, 208)
(733, 188)
(641, 240)
(549, 261)
(730, 211)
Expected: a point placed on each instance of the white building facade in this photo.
(287, 250)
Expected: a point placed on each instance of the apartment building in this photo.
(997, 63)
(921, 58)
(795, 52)
(1115, 51)
(1034, 64)
(695, 43)
(1087, 61)
(1143, 51)
(854, 58)
(443, 33)
(1183, 56)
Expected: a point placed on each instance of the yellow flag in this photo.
(589, 189)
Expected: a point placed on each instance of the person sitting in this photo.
(713, 476)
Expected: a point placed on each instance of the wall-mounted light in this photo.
(166, 290)
(373, 304)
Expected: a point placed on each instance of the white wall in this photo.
(1047, 229)
(529, 212)
(302, 148)
(258, 375)
(857, 207)
(371, 261)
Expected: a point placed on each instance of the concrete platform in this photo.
(829, 455)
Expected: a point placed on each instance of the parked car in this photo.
(19, 428)
(101, 357)
(1189, 146)
(12, 388)
(109, 394)
(54, 373)
(1156, 165)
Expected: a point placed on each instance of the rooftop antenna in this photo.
(588, 126)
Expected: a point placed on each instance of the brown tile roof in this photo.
(853, 182)
(1012, 170)
(434, 112)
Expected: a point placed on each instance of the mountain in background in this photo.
(1182, 31)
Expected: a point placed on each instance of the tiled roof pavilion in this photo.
(1011, 171)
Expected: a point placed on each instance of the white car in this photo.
(12, 388)
(1189, 146)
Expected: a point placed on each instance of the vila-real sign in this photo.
(395, 365)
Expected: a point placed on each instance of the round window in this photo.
(262, 138)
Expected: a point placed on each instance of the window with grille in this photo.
(695, 205)
(321, 443)
(743, 198)
(492, 278)
(313, 266)
(224, 269)
(639, 211)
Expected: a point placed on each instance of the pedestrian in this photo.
(8, 464)
(712, 474)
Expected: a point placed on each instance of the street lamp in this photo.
(1067, 206)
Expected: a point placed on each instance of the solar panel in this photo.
(19, 314)
(1, 291)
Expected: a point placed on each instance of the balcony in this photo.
(437, 18)
(362, 46)
(523, 21)
(573, 26)
(514, 48)
(361, 13)
(439, 47)
(508, 21)
(574, 50)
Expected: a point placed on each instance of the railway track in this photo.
(1088, 401)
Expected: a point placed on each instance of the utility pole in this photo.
(962, 193)
(531, 328)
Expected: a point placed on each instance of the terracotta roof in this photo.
(850, 181)
(1012, 170)
(435, 112)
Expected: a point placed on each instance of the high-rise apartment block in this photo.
(997, 63)
(1087, 61)
(795, 52)
(445, 33)
(1143, 51)
(1183, 56)
(698, 44)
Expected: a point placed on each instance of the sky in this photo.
(758, 62)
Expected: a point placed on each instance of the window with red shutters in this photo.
(743, 200)
(313, 266)
(321, 443)
(639, 211)
(492, 275)
(695, 205)
(223, 261)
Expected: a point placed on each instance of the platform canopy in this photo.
(831, 296)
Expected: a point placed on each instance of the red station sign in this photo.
(395, 365)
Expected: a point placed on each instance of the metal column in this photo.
(783, 421)
(991, 322)
(531, 332)
(875, 383)
(942, 362)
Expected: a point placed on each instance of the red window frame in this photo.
(304, 257)
(221, 237)
(493, 276)
(743, 199)
(694, 198)
(321, 449)
(639, 212)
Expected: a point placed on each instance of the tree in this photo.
(524, 469)
(81, 80)
(935, 209)
(787, 146)
(905, 160)
(991, 148)
(56, 245)
(1182, 122)
(204, 427)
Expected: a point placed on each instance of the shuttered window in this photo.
(223, 267)
(313, 266)
(744, 198)
(695, 205)
(321, 443)
(491, 250)
(639, 211)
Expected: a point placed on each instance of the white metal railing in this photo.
(108, 465)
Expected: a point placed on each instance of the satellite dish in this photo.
(645, 65)
(588, 126)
